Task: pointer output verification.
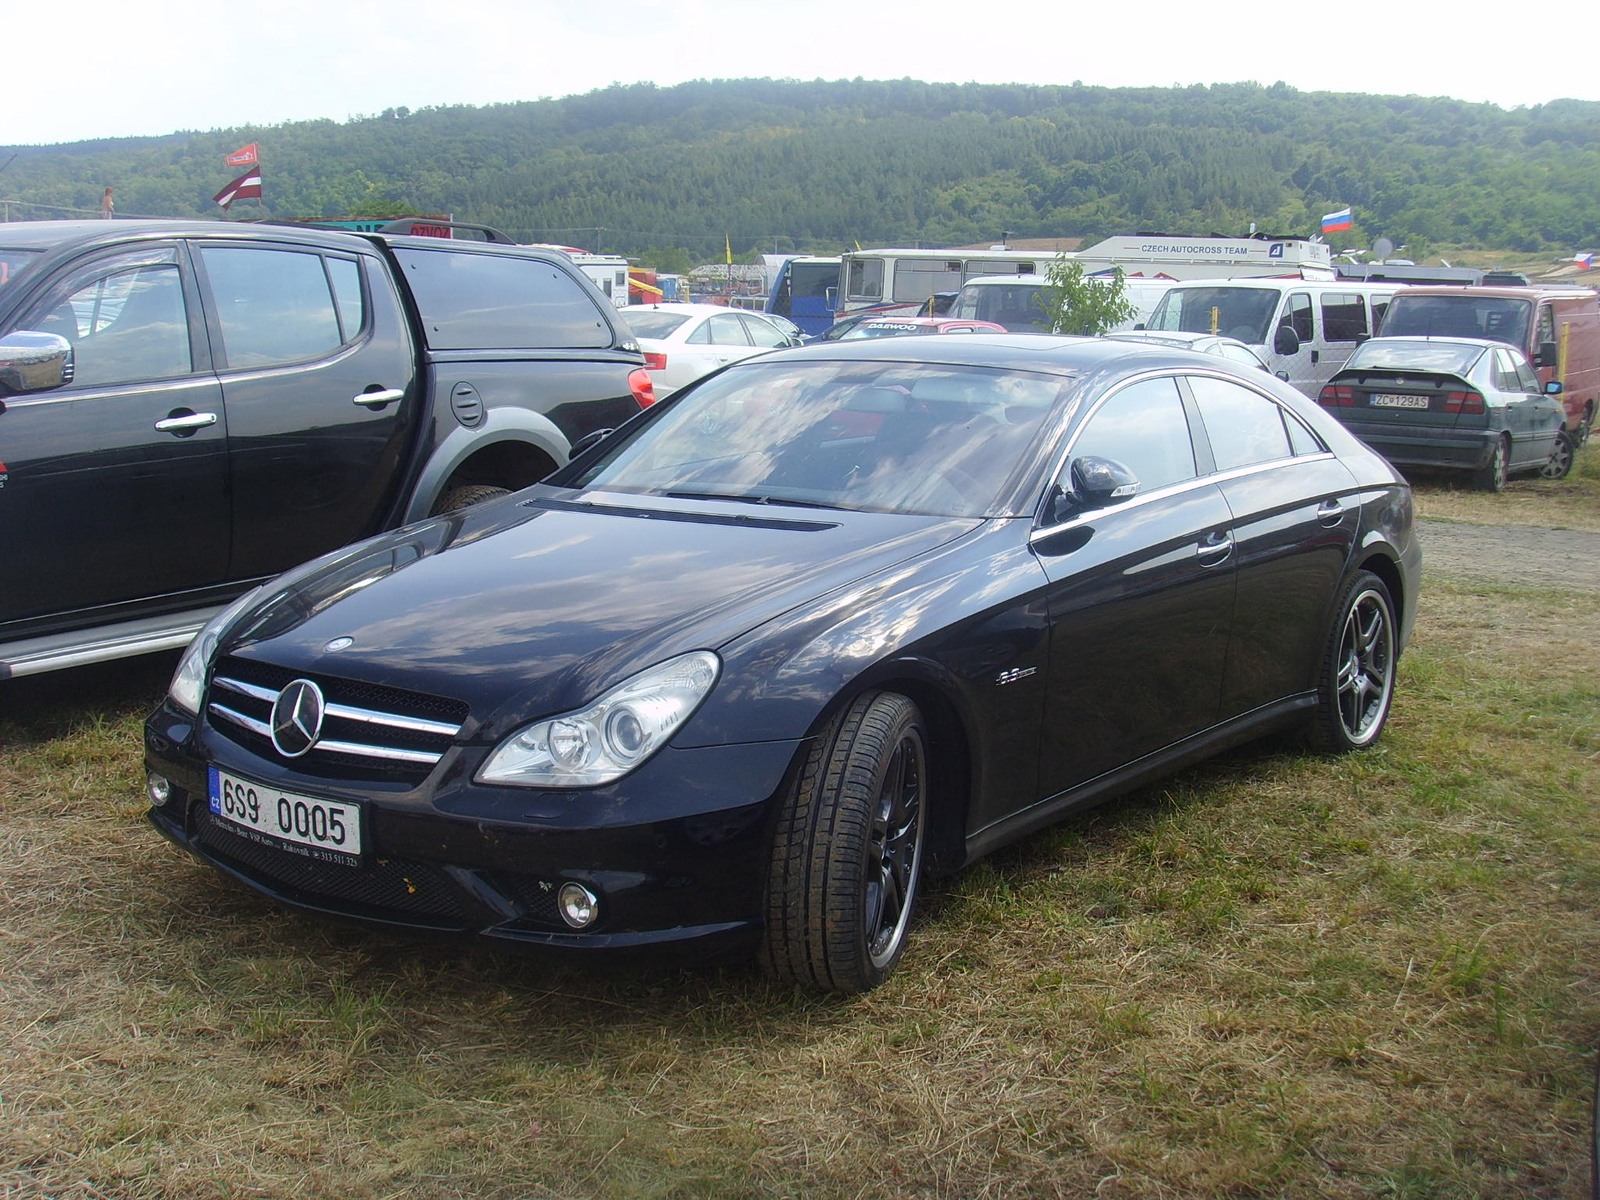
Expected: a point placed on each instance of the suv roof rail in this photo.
(405, 225)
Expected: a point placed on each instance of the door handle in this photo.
(185, 423)
(379, 398)
(1316, 356)
(1330, 513)
(1214, 551)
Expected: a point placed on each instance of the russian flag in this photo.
(1335, 221)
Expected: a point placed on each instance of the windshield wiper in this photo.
(749, 498)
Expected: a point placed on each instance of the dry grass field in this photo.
(1276, 975)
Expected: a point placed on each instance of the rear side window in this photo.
(275, 306)
(474, 301)
(1244, 426)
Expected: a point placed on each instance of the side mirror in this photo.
(1285, 341)
(1363, 337)
(1547, 355)
(1554, 388)
(1283, 375)
(1098, 482)
(34, 362)
(1140, 325)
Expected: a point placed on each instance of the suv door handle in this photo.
(379, 398)
(185, 423)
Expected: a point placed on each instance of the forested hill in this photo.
(786, 165)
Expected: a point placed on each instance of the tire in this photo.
(1492, 476)
(847, 851)
(461, 497)
(1356, 685)
(1559, 465)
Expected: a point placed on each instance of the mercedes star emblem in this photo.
(297, 718)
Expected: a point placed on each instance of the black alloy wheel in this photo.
(1356, 687)
(847, 851)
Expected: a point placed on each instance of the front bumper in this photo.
(677, 852)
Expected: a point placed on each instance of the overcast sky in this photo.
(97, 69)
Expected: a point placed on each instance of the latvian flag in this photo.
(245, 187)
(1335, 221)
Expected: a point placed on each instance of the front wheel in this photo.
(1356, 686)
(847, 851)
(467, 495)
(1559, 465)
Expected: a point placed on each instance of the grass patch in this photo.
(1275, 975)
(1570, 503)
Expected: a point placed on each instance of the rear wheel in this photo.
(848, 850)
(1356, 686)
(1492, 476)
(1559, 465)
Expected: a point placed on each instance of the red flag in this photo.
(242, 158)
(242, 188)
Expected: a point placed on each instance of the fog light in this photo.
(579, 907)
(158, 788)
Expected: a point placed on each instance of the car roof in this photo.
(1008, 351)
(52, 235)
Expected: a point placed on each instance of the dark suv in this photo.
(187, 408)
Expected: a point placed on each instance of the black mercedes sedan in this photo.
(735, 679)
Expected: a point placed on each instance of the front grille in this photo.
(535, 896)
(390, 885)
(369, 730)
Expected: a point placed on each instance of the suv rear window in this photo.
(474, 301)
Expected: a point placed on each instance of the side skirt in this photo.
(1282, 714)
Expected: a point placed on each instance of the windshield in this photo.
(1389, 354)
(652, 323)
(1496, 318)
(812, 280)
(1244, 313)
(13, 263)
(1017, 306)
(876, 437)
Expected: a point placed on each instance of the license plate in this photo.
(327, 829)
(1382, 401)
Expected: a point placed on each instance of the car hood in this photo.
(537, 603)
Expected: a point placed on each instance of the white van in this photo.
(1016, 301)
(1304, 330)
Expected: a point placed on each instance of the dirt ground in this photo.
(1557, 558)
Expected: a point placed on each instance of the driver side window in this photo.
(1144, 427)
(127, 324)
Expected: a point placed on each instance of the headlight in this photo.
(189, 680)
(610, 737)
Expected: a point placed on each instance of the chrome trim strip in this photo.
(393, 720)
(246, 689)
(238, 718)
(357, 750)
(348, 712)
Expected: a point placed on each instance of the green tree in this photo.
(1086, 305)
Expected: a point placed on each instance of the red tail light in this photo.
(1463, 402)
(1336, 397)
(655, 362)
(642, 386)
